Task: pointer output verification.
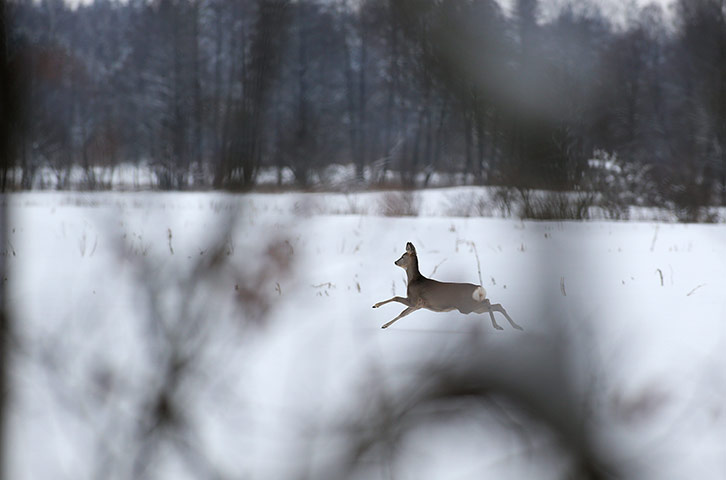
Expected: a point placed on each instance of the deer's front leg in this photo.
(400, 315)
(402, 300)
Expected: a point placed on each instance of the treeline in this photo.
(206, 93)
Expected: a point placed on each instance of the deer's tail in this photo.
(479, 294)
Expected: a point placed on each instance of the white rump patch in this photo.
(479, 294)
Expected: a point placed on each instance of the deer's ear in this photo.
(410, 248)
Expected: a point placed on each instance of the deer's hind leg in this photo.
(401, 315)
(487, 307)
(494, 322)
(402, 300)
(497, 307)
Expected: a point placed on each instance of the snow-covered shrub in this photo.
(690, 198)
(468, 204)
(618, 184)
(504, 198)
(542, 205)
(400, 204)
(355, 205)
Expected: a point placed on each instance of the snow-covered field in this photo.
(263, 303)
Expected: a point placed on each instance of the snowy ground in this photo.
(272, 296)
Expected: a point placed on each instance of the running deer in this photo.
(437, 296)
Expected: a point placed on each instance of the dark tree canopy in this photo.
(207, 93)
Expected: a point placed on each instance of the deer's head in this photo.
(408, 258)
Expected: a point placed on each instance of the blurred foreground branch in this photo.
(524, 388)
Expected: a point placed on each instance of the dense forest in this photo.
(208, 93)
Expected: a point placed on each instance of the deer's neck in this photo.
(412, 271)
